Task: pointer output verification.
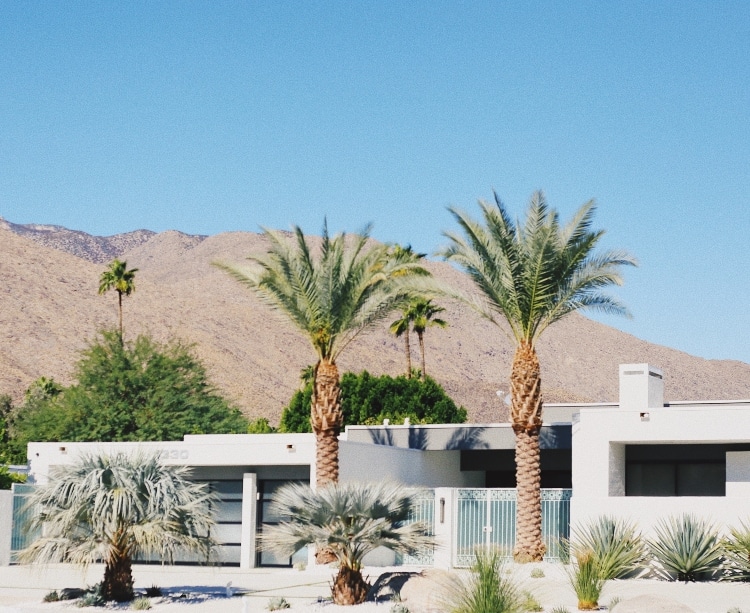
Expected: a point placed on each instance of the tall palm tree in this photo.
(113, 508)
(531, 276)
(401, 327)
(350, 520)
(119, 278)
(332, 297)
(424, 311)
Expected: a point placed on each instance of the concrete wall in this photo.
(211, 450)
(6, 525)
(600, 437)
(366, 462)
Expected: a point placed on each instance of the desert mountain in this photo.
(50, 309)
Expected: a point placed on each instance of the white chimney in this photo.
(641, 387)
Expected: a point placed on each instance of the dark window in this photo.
(677, 470)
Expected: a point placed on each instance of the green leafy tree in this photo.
(119, 278)
(366, 399)
(331, 295)
(137, 391)
(114, 508)
(8, 478)
(350, 520)
(531, 275)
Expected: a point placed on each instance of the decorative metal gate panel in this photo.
(423, 511)
(487, 518)
(21, 537)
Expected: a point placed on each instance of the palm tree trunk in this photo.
(118, 579)
(408, 353)
(119, 300)
(325, 419)
(526, 418)
(349, 587)
(420, 336)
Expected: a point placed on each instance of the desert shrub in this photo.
(560, 609)
(686, 548)
(617, 546)
(94, 597)
(586, 580)
(277, 603)
(537, 573)
(487, 590)
(737, 554)
(154, 591)
(141, 604)
(399, 607)
(530, 603)
(734, 610)
(52, 596)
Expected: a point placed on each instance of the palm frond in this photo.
(533, 274)
(351, 519)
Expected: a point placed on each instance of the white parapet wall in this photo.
(601, 437)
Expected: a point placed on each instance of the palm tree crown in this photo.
(347, 287)
(534, 274)
(113, 508)
(531, 275)
(119, 278)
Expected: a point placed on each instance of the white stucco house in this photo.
(639, 458)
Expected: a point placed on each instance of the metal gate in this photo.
(21, 536)
(487, 518)
(423, 511)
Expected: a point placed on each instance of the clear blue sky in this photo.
(213, 116)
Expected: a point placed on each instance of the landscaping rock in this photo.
(651, 603)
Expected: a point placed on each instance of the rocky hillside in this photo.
(49, 309)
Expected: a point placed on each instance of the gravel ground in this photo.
(203, 590)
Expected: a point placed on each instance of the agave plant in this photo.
(687, 548)
(350, 520)
(737, 553)
(616, 544)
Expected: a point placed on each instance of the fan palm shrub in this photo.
(350, 520)
(686, 548)
(618, 547)
(112, 508)
(737, 553)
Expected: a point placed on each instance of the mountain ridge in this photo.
(50, 309)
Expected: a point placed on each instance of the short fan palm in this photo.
(113, 508)
(350, 520)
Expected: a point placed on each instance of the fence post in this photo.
(6, 525)
(445, 505)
